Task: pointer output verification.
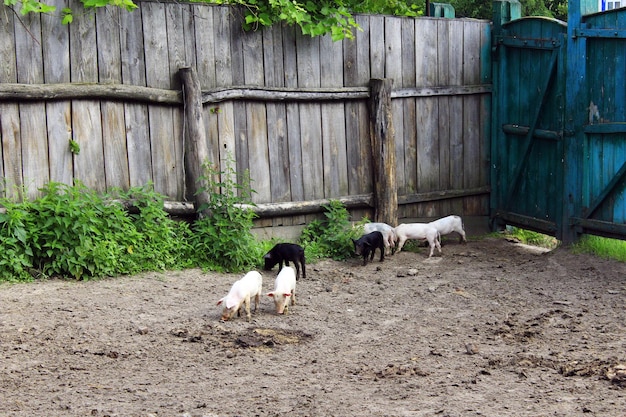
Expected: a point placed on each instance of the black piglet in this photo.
(285, 252)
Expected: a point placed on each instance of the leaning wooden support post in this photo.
(383, 152)
(196, 148)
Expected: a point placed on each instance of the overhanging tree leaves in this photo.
(314, 18)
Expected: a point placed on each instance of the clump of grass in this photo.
(601, 246)
(530, 237)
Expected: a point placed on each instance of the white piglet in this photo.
(419, 231)
(450, 224)
(250, 286)
(284, 290)
(389, 235)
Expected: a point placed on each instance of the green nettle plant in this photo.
(72, 231)
(223, 241)
(330, 237)
(164, 242)
(16, 257)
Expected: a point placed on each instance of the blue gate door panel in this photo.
(528, 124)
(602, 208)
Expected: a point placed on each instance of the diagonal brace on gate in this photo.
(528, 140)
(611, 186)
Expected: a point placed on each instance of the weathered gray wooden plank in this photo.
(133, 69)
(335, 163)
(257, 129)
(471, 115)
(427, 113)
(239, 108)
(456, 170)
(350, 77)
(278, 149)
(224, 77)
(409, 138)
(309, 73)
(485, 117)
(377, 46)
(56, 56)
(11, 164)
(189, 35)
(11, 161)
(86, 115)
(357, 131)
(113, 124)
(443, 126)
(8, 70)
(34, 143)
(205, 35)
(293, 121)
(253, 69)
(164, 162)
(364, 74)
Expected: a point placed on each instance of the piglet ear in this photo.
(220, 301)
(287, 294)
(270, 294)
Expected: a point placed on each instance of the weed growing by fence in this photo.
(331, 237)
(223, 241)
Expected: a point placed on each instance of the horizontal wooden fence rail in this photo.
(91, 91)
(88, 91)
(268, 210)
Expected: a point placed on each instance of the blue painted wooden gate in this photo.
(559, 122)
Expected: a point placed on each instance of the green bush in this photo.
(72, 231)
(164, 242)
(330, 237)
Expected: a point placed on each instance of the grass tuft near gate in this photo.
(603, 247)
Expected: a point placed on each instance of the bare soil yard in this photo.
(491, 328)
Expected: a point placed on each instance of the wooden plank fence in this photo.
(290, 109)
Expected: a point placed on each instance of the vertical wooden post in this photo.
(505, 11)
(196, 148)
(575, 112)
(383, 145)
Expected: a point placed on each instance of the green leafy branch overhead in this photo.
(314, 18)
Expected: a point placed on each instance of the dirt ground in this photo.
(491, 328)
